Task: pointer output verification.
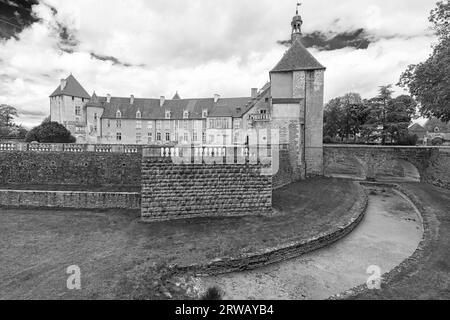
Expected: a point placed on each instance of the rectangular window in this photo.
(108, 123)
(204, 137)
(158, 136)
(237, 123)
(194, 136)
(95, 116)
(119, 123)
(158, 124)
(150, 138)
(138, 138)
(73, 98)
(167, 136)
(185, 137)
(185, 124)
(138, 124)
(211, 139)
(119, 136)
(150, 125)
(236, 137)
(95, 128)
(78, 110)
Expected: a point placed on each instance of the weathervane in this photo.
(298, 5)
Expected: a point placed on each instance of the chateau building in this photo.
(291, 103)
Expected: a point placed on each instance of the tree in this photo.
(332, 118)
(7, 115)
(388, 117)
(50, 132)
(47, 119)
(429, 82)
(344, 116)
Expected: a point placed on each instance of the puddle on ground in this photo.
(389, 233)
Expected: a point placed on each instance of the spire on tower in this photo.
(298, 5)
(297, 24)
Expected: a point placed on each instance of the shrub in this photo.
(408, 140)
(327, 139)
(50, 132)
(213, 293)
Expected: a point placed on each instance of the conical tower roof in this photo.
(297, 58)
(72, 88)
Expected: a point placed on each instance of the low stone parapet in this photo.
(70, 199)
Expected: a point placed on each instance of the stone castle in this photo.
(291, 103)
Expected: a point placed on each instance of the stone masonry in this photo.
(173, 190)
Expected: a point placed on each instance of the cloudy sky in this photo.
(199, 47)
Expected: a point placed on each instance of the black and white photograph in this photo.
(223, 156)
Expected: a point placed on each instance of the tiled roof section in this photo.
(416, 127)
(151, 109)
(432, 123)
(72, 88)
(94, 101)
(297, 58)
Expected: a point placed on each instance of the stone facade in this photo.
(70, 199)
(70, 168)
(175, 190)
(432, 163)
(285, 173)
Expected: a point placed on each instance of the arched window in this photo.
(168, 114)
(138, 114)
(186, 114)
(118, 114)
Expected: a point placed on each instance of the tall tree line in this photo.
(383, 119)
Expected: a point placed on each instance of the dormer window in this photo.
(186, 114)
(138, 114)
(205, 113)
(168, 114)
(118, 114)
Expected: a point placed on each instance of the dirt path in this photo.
(427, 274)
(390, 233)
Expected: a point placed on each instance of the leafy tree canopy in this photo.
(7, 115)
(429, 81)
(381, 117)
(50, 132)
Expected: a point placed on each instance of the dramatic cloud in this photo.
(199, 47)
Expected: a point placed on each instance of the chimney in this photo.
(216, 98)
(254, 93)
(162, 99)
(108, 98)
(63, 83)
(131, 99)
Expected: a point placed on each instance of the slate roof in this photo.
(432, 123)
(150, 108)
(72, 88)
(416, 127)
(297, 58)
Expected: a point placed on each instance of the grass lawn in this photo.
(119, 256)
